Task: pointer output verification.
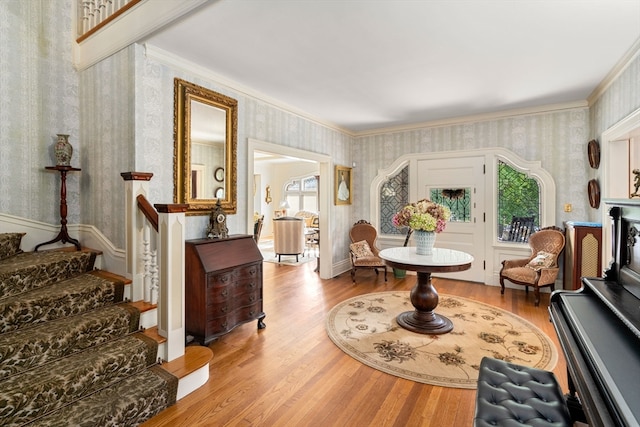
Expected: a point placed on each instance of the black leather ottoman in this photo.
(513, 395)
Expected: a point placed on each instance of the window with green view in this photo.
(518, 197)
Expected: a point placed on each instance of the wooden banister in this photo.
(148, 211)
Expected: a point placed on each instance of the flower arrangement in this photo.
(423, 215)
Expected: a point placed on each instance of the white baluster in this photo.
(147, 259)
(95, 18)
(110, 7)
(154, 277)
(86, 15)
(102, 11)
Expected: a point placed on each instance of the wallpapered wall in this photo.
(39, 90)
(619, 100)
(551, 138)
(119, 114)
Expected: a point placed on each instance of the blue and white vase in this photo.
(424, 241)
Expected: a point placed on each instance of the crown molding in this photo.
(168, 58)
(544, 109)
(615, 72)
(176, 61)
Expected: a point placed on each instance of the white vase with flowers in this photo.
(425, 218)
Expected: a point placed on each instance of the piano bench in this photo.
(511, 395)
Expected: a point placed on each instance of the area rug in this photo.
(365, 328)
(266, 248)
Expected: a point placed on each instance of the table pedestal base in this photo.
(423, 320)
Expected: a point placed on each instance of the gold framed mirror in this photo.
(205, 149)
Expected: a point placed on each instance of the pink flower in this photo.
(423, 215)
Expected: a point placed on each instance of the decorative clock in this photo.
(218, 223)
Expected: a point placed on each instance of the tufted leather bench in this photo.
(513, 395)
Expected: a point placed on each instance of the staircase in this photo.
(71, 348)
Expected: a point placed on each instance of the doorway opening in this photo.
(261, 148)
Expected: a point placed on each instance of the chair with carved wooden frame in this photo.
(363, 249)
(541, 268)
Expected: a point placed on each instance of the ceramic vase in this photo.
(63, 150)
(424, 242)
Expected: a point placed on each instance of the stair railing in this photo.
(155, 258)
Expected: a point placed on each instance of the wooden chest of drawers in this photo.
(223, 286)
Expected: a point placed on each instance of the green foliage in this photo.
(518, 195)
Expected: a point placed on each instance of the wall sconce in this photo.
(268, 198)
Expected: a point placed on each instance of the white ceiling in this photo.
(369, 64)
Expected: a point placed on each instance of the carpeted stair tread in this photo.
(33, 393)
(39, 344)
(127, 403)
(66, 298)
(31, 270)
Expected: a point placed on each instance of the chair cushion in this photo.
(542, 260)
(361, 249)
(10, 244)
(520, 274)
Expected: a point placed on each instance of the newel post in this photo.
(136, 183)
(171, 299)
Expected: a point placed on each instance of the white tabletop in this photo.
(441, 257)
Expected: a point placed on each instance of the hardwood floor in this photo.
(291, 373)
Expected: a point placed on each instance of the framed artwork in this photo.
(343, 182)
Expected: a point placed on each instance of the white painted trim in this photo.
(491, 155)
(530, 111)
(138, 22)
(112, 258)
(175, 61)
(324, 197)
(620, 131)
(615, 72)
(193, 381)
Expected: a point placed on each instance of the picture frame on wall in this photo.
(343, 193)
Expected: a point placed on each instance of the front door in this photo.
(459, 181)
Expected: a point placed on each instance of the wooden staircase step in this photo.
(73, 249)
(153, 333)
(112, 276)
(143, 306)
(195, 357)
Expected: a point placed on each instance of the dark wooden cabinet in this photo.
(223, 285)
(582, 252)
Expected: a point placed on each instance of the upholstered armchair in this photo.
(541, 268)
(363, 249)
(288, 236)
(257, 227)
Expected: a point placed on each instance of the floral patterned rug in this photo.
(365, 328)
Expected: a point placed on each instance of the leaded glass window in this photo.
(394, 195)
(458, 200)
(518, 199)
